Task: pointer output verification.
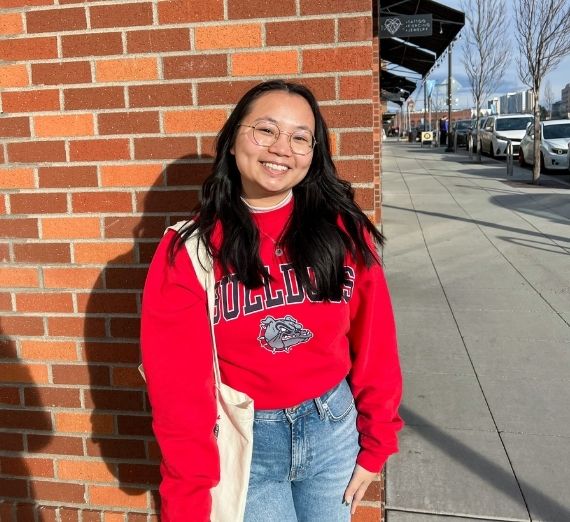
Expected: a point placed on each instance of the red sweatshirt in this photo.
(274, 343)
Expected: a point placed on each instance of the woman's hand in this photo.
(359, 482)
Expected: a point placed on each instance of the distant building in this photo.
(565, 98)
(516, 102)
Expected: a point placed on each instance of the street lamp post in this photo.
(449, 99)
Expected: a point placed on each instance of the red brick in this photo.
(70, 228)
(101, 202)
(54, 444)
(150, 226)
(13, 228)
(128, 123)
(108, 303)
(128, 378)
(68, 514)
(81, 374)
(11, 24)
(22, 325)
(23, 49)
(160, 95)
(55, 20)
(18, 127)
(13, 75)
(355, 29)
(25, 374)
(202, 66)
(223, 93)
(356, 87)
(113, 399)
(45, 302)
(94, 98)
(180, 11)
(14, 488)
(265, 62)
(299, 33)
(125, 278)
(366, 514)
(61, 73)
(38, 203)
(193, 120)
(126, 69)
(158, 40)
(153, 450)
(4, 251)
(31, 101)
(40, 350)
(337, 59)
(164, 148)
(36, 152)
(119, 352)
(233, 36)
(364, 197)
(125, 328)
(139, 473)
(356, 143)
(16, 277)
(167, 201)
(25, 420)
(237, 9)
(181, 174)
(91, 516)
(52, 397)
(316, 7)
(147, 250)
(56, 491)
(42, 253)
(67, 177)
(121, 15)
(95, 44)
(11, 442)
(6, 306)
(348, 115)
(99, 150)
(9, 395)
(17, 178)
(322, 88)
(73, 278)
(133, 175)
(27, 466)
(356, 171)
(76, 326)
(47, 513)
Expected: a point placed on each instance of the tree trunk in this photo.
(477, 110)
(537, 139)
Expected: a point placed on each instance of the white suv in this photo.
(497, 130)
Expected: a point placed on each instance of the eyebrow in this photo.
(272, 120)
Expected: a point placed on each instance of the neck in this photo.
(258, 208)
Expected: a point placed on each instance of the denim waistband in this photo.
(304, 408)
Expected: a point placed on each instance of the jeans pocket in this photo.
(340, 403)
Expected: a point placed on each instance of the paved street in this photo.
(479, 270)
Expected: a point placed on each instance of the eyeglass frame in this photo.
(290, 134)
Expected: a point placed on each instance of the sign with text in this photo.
(402, 26)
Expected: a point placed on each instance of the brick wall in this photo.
(110, 110)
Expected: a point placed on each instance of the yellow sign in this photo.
(427, 136)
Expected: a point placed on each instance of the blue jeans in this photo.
(303, 458)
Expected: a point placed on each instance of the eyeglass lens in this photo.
(267, 133)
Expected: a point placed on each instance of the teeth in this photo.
(274, 166)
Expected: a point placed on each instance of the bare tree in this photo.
(542, 34)
(548, 98)
(486, 50)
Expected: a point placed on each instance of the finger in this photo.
(359, 495)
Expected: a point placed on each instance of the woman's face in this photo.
(268, 173)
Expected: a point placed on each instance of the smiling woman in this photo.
(301, 317)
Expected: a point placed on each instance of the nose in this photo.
(281, 147)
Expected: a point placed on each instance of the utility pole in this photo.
(449, 99)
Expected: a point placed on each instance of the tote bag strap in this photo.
(203, 266)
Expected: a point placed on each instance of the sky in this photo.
(511, 83)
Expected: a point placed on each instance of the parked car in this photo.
(555, 135)
(473, 130)
(498, 129)
(461, 128)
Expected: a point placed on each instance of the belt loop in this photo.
(320, 409)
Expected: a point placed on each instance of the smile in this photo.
(274, 166)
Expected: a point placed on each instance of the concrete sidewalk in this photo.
(479, 270)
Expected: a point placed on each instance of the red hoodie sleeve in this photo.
(375, 377)
(177, 359)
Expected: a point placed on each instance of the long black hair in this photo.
(312, 237)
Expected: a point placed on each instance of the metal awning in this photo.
(418, 53)
(396, 88)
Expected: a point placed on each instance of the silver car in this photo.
(553, 146)
(498, 130)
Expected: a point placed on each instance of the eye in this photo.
(268, 130)
(302, 138)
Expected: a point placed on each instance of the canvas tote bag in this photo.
(234, 428)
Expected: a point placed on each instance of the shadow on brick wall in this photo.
(120, 420)
(21, 411)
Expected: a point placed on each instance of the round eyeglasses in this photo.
(266, 133)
